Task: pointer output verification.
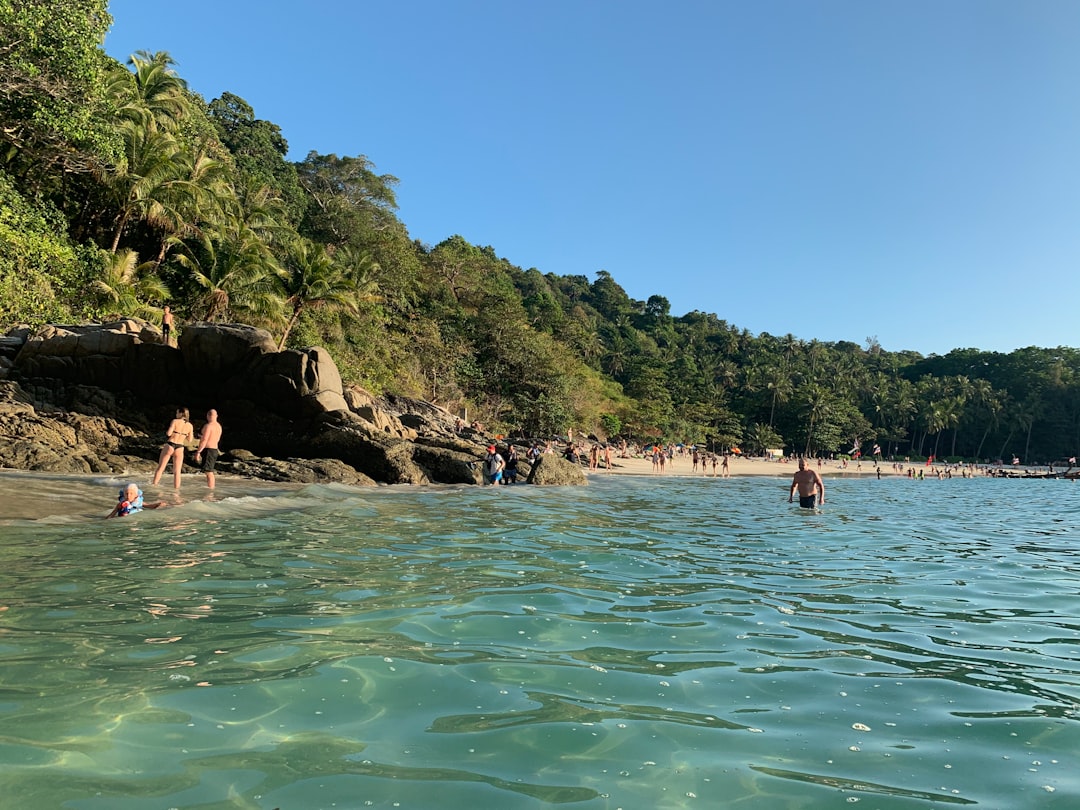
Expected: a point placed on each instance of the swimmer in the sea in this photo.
(131, 501)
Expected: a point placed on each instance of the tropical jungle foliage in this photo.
(121, 190)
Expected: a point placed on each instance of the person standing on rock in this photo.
(166, 325)
(179, 435)
(208, 441)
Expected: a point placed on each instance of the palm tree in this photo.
(817, 408)
(778, 381)
(151, 94)
(952, 411)
(317, 281)
(993, 403)
(238, 274)
(726, 374)
(1027, 415)
(128, 286)
(145, 182)
(815, 350)
(761, 438)
(902, 408)
(615, 359)
(791, 345)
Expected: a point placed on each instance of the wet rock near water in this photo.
(551, 470)
(295, 470)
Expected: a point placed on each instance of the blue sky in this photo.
(834, 169)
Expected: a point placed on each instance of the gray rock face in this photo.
(64, 442)
(213, 363)
(556, 472)
(296, 470)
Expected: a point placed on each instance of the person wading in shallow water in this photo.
(178, 435)
(493, 466)
(809, 483)
(208, 443)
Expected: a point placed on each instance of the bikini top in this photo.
(169, 436)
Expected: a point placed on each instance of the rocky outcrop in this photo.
(95, 398)
(296, 470)
(552, 470)
(63, 441)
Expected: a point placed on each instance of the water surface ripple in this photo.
(638, 643)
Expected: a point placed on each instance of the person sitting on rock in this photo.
(131, 501)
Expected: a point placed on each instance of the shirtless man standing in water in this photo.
(208, 441)
(808, 482)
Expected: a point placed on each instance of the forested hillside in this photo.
(122, 190)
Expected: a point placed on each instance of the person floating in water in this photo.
(131, 501)
(809, 483)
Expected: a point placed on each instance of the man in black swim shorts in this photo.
(207, 454)
(166, 325)
(809, 484)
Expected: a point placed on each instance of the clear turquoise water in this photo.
(639, 643)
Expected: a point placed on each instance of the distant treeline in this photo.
(122, 190)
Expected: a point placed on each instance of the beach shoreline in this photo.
(740, 466)
(29, 495)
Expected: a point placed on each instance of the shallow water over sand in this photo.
(638, 643)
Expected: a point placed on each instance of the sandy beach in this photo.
(740, 466)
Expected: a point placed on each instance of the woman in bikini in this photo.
(179, 434)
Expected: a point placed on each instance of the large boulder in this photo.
(111, 339)
(294, 382)
(212, 363)
(373, 410)
(214, 351)
(448, 466)
(551, 470)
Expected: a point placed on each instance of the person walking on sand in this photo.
(809, 484)
(208, 441)
(166, 325)
(179, 434)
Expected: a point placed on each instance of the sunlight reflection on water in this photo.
(639, 643)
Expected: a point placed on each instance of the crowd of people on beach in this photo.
(500, 464)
